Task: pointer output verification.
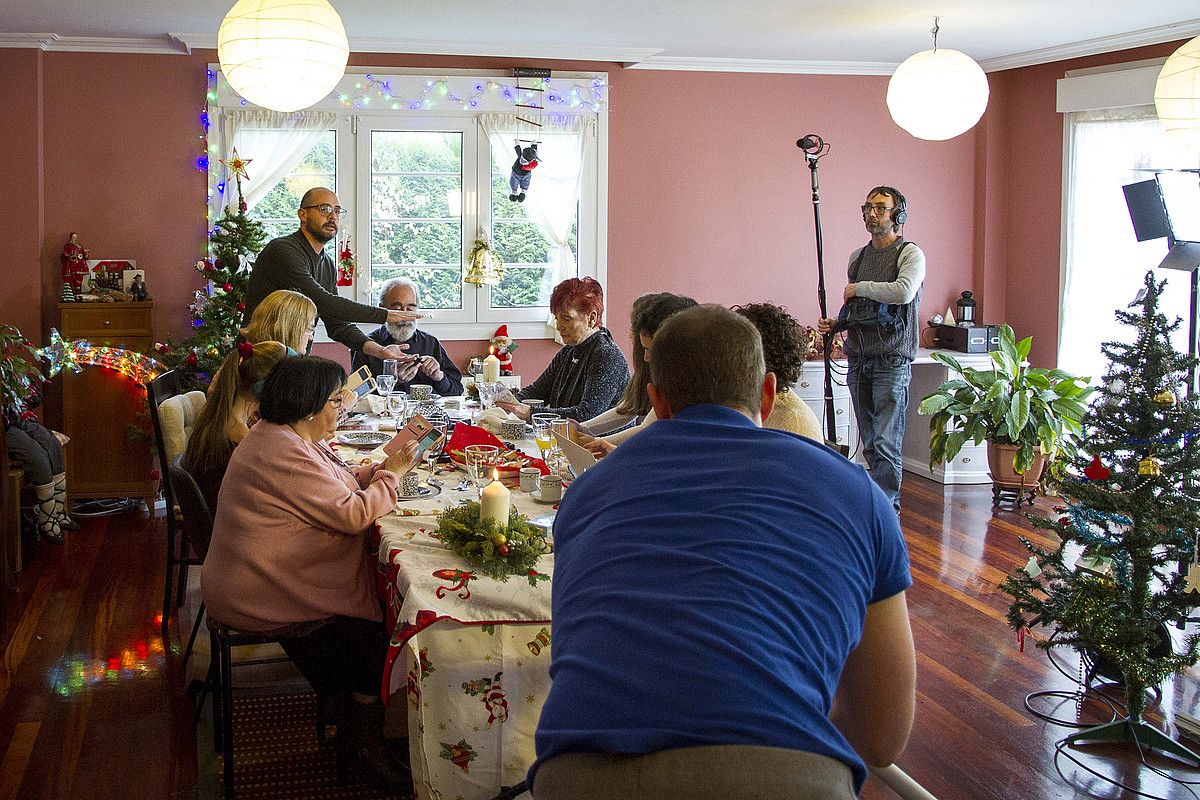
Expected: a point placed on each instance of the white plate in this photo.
(364, 438)
(537, 496)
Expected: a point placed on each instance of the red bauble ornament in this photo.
(1064, 520)
(1097, 471)
(216, 263)
(192, 359)
(241, 306)
(502, 549)
(228, 287)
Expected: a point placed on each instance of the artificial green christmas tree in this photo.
(217, 309)
(1134, 509)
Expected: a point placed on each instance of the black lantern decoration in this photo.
(966, 310)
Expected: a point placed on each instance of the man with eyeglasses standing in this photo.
(426, 360)
(880, 317)
(299, 262)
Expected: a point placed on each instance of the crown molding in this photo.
(38, 41)
(1090, 47)
(53, 42)
(765, 65)
(447, 47)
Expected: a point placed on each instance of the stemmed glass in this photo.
(561, 429)
(385, 384)
(543, 433)
(435, 449)
(481, 459)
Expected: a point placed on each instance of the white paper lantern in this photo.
(937, 94)
(1177, 94)
(284, 55)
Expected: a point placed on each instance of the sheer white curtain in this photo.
(554, 189)
(1104, 263)
(275, 141)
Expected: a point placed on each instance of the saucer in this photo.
(423, 493)
(537, 496)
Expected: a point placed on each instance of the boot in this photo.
(60, 494)
(48, 511)
(370, 749)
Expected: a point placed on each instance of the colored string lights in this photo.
(439, 92)
(75, 355)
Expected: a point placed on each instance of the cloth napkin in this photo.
(369, 404)
(465, 434)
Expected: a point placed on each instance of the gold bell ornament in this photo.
(484, 267)
(1165, 398)
(1149, 466)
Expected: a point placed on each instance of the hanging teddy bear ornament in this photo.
(522, 171)
(503, 347)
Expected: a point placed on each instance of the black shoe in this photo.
(513, 197)
(521, 197)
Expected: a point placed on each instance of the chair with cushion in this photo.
(178, 415)
(196, 524)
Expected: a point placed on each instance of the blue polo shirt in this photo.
(710, 579)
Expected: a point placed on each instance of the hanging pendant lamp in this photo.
(937, 94)
(1177, 94)
(284, 55)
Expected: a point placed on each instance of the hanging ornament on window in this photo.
(1165, 398)
(1149, 466)
(484, 267)
(346, 264)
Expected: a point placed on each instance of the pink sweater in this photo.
(289, 535)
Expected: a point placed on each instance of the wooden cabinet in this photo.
(100, 405)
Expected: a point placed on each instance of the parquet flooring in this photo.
(92, 704)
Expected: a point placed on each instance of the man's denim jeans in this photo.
(879, 391)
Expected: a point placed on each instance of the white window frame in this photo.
(353, 171)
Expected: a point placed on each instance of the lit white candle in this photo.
(495, 501)
(491, 368)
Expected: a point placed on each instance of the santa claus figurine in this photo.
(74, 263)
(503, 347)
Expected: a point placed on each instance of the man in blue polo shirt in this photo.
(728, 602)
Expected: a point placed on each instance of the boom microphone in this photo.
(811, 143)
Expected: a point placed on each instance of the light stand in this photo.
(815, 148)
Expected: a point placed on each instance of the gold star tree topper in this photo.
(237, 165)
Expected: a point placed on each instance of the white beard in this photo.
(402, 331)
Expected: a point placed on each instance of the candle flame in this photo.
(495, 473)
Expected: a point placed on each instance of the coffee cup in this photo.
(512, 429)
(529, 478)
(410, 484)
(534, 404)
(420, 391)
(550, 487)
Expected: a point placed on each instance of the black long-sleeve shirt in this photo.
(582, 380)
(289, 262)
(421, 344)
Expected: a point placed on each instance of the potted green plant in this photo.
(20, 371)
(1028, 415)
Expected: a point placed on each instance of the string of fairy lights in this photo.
(545, 93)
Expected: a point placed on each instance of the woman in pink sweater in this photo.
(289, 549)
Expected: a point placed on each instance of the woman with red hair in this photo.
(587, 376)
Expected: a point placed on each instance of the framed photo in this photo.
(107, 274)
(127, 279)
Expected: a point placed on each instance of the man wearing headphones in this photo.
(885, 280)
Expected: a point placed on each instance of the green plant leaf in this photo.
(1023, 348)
(933, 404)
(954, 443)
(949, 361)
(1018, 414)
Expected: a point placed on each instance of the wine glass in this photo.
(385, 384)
(543, 433)
(435, 450)
(481, 459)
(561, 428)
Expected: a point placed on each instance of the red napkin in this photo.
(465, 434)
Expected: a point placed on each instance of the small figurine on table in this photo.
(138, 289)
(74, 264)
(503, 347)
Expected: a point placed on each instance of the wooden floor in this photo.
(92, 706)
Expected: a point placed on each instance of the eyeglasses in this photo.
(336, 400)
(327, 209)
(868, 209)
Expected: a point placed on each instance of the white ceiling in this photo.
(751, 35)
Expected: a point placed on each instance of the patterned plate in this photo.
(364, 438)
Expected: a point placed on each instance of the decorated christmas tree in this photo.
(217, 308)
(1128, 530)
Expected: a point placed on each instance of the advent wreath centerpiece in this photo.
(494, 550)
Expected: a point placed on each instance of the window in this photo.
(1104, 264)
(423, 178)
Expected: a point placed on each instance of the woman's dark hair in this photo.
(297, 387)
(784, 345)
(649, 311)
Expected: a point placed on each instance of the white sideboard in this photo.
(970, 465)
(810, 388)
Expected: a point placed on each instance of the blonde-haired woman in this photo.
(283, 316)
(226, 417)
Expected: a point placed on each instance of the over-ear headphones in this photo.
(900, 212)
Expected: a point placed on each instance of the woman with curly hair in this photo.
(784, 350)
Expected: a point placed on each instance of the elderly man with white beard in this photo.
(425, 360)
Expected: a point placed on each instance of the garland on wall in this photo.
(438, 92)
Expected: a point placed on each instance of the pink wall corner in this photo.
(122, 132)
(1033, 174)
(21, 166)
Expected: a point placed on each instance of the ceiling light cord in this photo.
(934, 30)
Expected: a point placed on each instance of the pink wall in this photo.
(708, 194)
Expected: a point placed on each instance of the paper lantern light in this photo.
(937, 94)
(284, 55)
(1177, 94)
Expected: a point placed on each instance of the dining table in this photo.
(469, 654)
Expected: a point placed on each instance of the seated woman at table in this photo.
(290, 552)
(283, 316)
(587, 376)
(225, 419)
(614, 426)
(784, 350)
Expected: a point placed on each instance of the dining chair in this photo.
(197, 524)
(179, 557)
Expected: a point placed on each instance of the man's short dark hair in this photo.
(708, 354)
(298, 387)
